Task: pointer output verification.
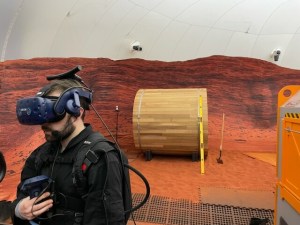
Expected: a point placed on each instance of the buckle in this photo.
(78, 214)
(91, 156)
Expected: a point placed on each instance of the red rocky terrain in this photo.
(244, 89)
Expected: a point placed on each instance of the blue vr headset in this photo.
(40, 110)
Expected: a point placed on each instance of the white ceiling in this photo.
(168, 30)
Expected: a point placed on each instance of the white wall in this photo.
(168, 30)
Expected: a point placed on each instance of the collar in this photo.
(81, 136)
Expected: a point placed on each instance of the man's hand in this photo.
(31, 208)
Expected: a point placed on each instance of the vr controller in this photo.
(36, 185)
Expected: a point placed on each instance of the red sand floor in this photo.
(180, 178)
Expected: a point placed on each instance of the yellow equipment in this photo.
(287, 208)
(201, 132)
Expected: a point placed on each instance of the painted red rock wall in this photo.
(244, 89)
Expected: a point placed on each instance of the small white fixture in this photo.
(136, 46)
(275, 54)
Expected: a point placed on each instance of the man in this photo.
(101, 200)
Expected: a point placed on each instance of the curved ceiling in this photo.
(167, 30)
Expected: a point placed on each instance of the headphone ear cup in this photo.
(69, 101)
(72, 108)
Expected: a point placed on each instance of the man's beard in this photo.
(56, 135)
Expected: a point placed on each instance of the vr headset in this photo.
(39, 110)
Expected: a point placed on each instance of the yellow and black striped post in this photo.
(201, 144)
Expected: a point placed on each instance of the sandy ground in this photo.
(178, 177)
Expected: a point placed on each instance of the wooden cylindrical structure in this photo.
(167, 121)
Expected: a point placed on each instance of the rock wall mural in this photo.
(244, 89)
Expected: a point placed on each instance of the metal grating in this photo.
(164, 210)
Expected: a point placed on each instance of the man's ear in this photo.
(82, 113)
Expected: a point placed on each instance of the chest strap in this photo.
(69, 203)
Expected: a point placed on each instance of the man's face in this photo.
(60, 130)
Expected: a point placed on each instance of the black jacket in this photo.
(98, 206)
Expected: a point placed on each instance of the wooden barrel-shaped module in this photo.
(167, 121)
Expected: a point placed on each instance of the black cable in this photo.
(106, 127)
(50, 182)
(103, 192)
(122, 162)
(146, 185)
(128, 166)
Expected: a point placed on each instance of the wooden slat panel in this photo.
(167, 120)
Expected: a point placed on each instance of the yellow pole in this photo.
(201, 145)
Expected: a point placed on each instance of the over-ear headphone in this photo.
(69, 101)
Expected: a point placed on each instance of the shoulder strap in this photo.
(91, 156)
(86, 156)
